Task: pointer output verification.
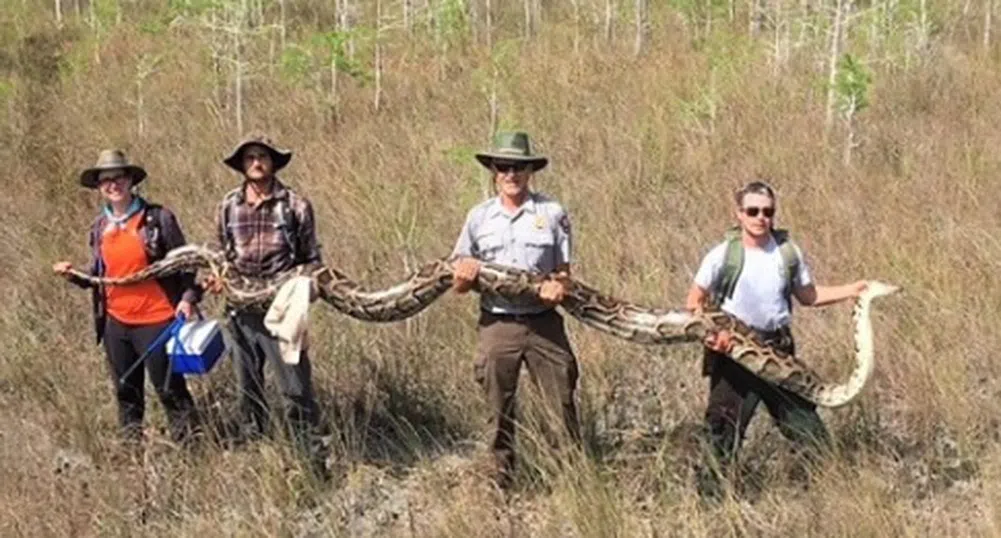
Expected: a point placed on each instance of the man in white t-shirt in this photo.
(753, 275)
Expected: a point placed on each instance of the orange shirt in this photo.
(122, 251)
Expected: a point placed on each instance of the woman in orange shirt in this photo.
(129, 234)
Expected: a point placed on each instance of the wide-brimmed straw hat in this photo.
(278, 156)
(111, 159)
(512, 146)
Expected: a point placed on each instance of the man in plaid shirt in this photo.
(267, 228)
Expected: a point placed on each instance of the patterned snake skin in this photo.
(614, 316)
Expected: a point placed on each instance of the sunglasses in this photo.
(109, 179)
(768, 212)
(510, 167)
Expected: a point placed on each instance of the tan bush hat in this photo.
(111, 159)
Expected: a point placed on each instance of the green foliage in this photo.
(460, 155)
(78, 58)
(464, 158)
(154, 26)
(192, 8)
(502, 67)
(322, 49)
(6, 90)
(851, 84)
(296, 63)
(451, 20)
(106, 12)
(334, 46)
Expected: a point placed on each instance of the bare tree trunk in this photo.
(850, 135)
(429, 10)
(216, 64)
(334, 54)
(490, 25)
(832, 63)
(709, 18)
(925, 29)
(95, 26)
(528, 19)
(440, 46)
(641, 26)
(145, 68)
(59, 12)
(576, 28)
(488, 184)
(474, 16)
(377, 101)
(988, 15)
(239, 24)
(408, 23)
(493, 104)
(346, 24)
(782, 38)
(609, 19)
(282, 30)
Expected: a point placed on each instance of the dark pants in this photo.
(253, 346)
(540, 342)
(734, 395)
(124, 345)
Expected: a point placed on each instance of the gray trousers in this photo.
(253, 346)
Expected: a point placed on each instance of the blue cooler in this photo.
(195, 346)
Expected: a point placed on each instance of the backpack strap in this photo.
(229, 244)
(733, 263)
(289, 226)
(94, 241)
(153, 232)
(790, 260)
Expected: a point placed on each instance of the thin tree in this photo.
(988, 15)
(528, 18)
(377, 99)
(832, 67)
(642, 25)
(609, 18)
(490, 24)
(576, 28)
(147, 66)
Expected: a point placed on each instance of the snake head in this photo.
(876, 288)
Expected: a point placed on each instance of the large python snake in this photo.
(617, 317)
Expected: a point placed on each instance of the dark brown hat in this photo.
(279, 157)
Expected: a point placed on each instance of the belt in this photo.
(518, 317)
(778, 335)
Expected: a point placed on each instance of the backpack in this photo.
(286, 221)
(733, 264)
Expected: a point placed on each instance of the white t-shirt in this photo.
(759, 296)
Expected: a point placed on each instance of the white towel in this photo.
(288, 318)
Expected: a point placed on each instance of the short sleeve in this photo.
(709, 269)
(464, 245)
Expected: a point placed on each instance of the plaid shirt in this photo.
(259, 247)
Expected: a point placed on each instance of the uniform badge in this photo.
(540, 222)
(565, 223)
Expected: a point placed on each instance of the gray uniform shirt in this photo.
(536, 237)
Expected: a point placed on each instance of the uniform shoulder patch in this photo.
(564, 223)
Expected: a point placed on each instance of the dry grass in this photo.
(647, 182)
